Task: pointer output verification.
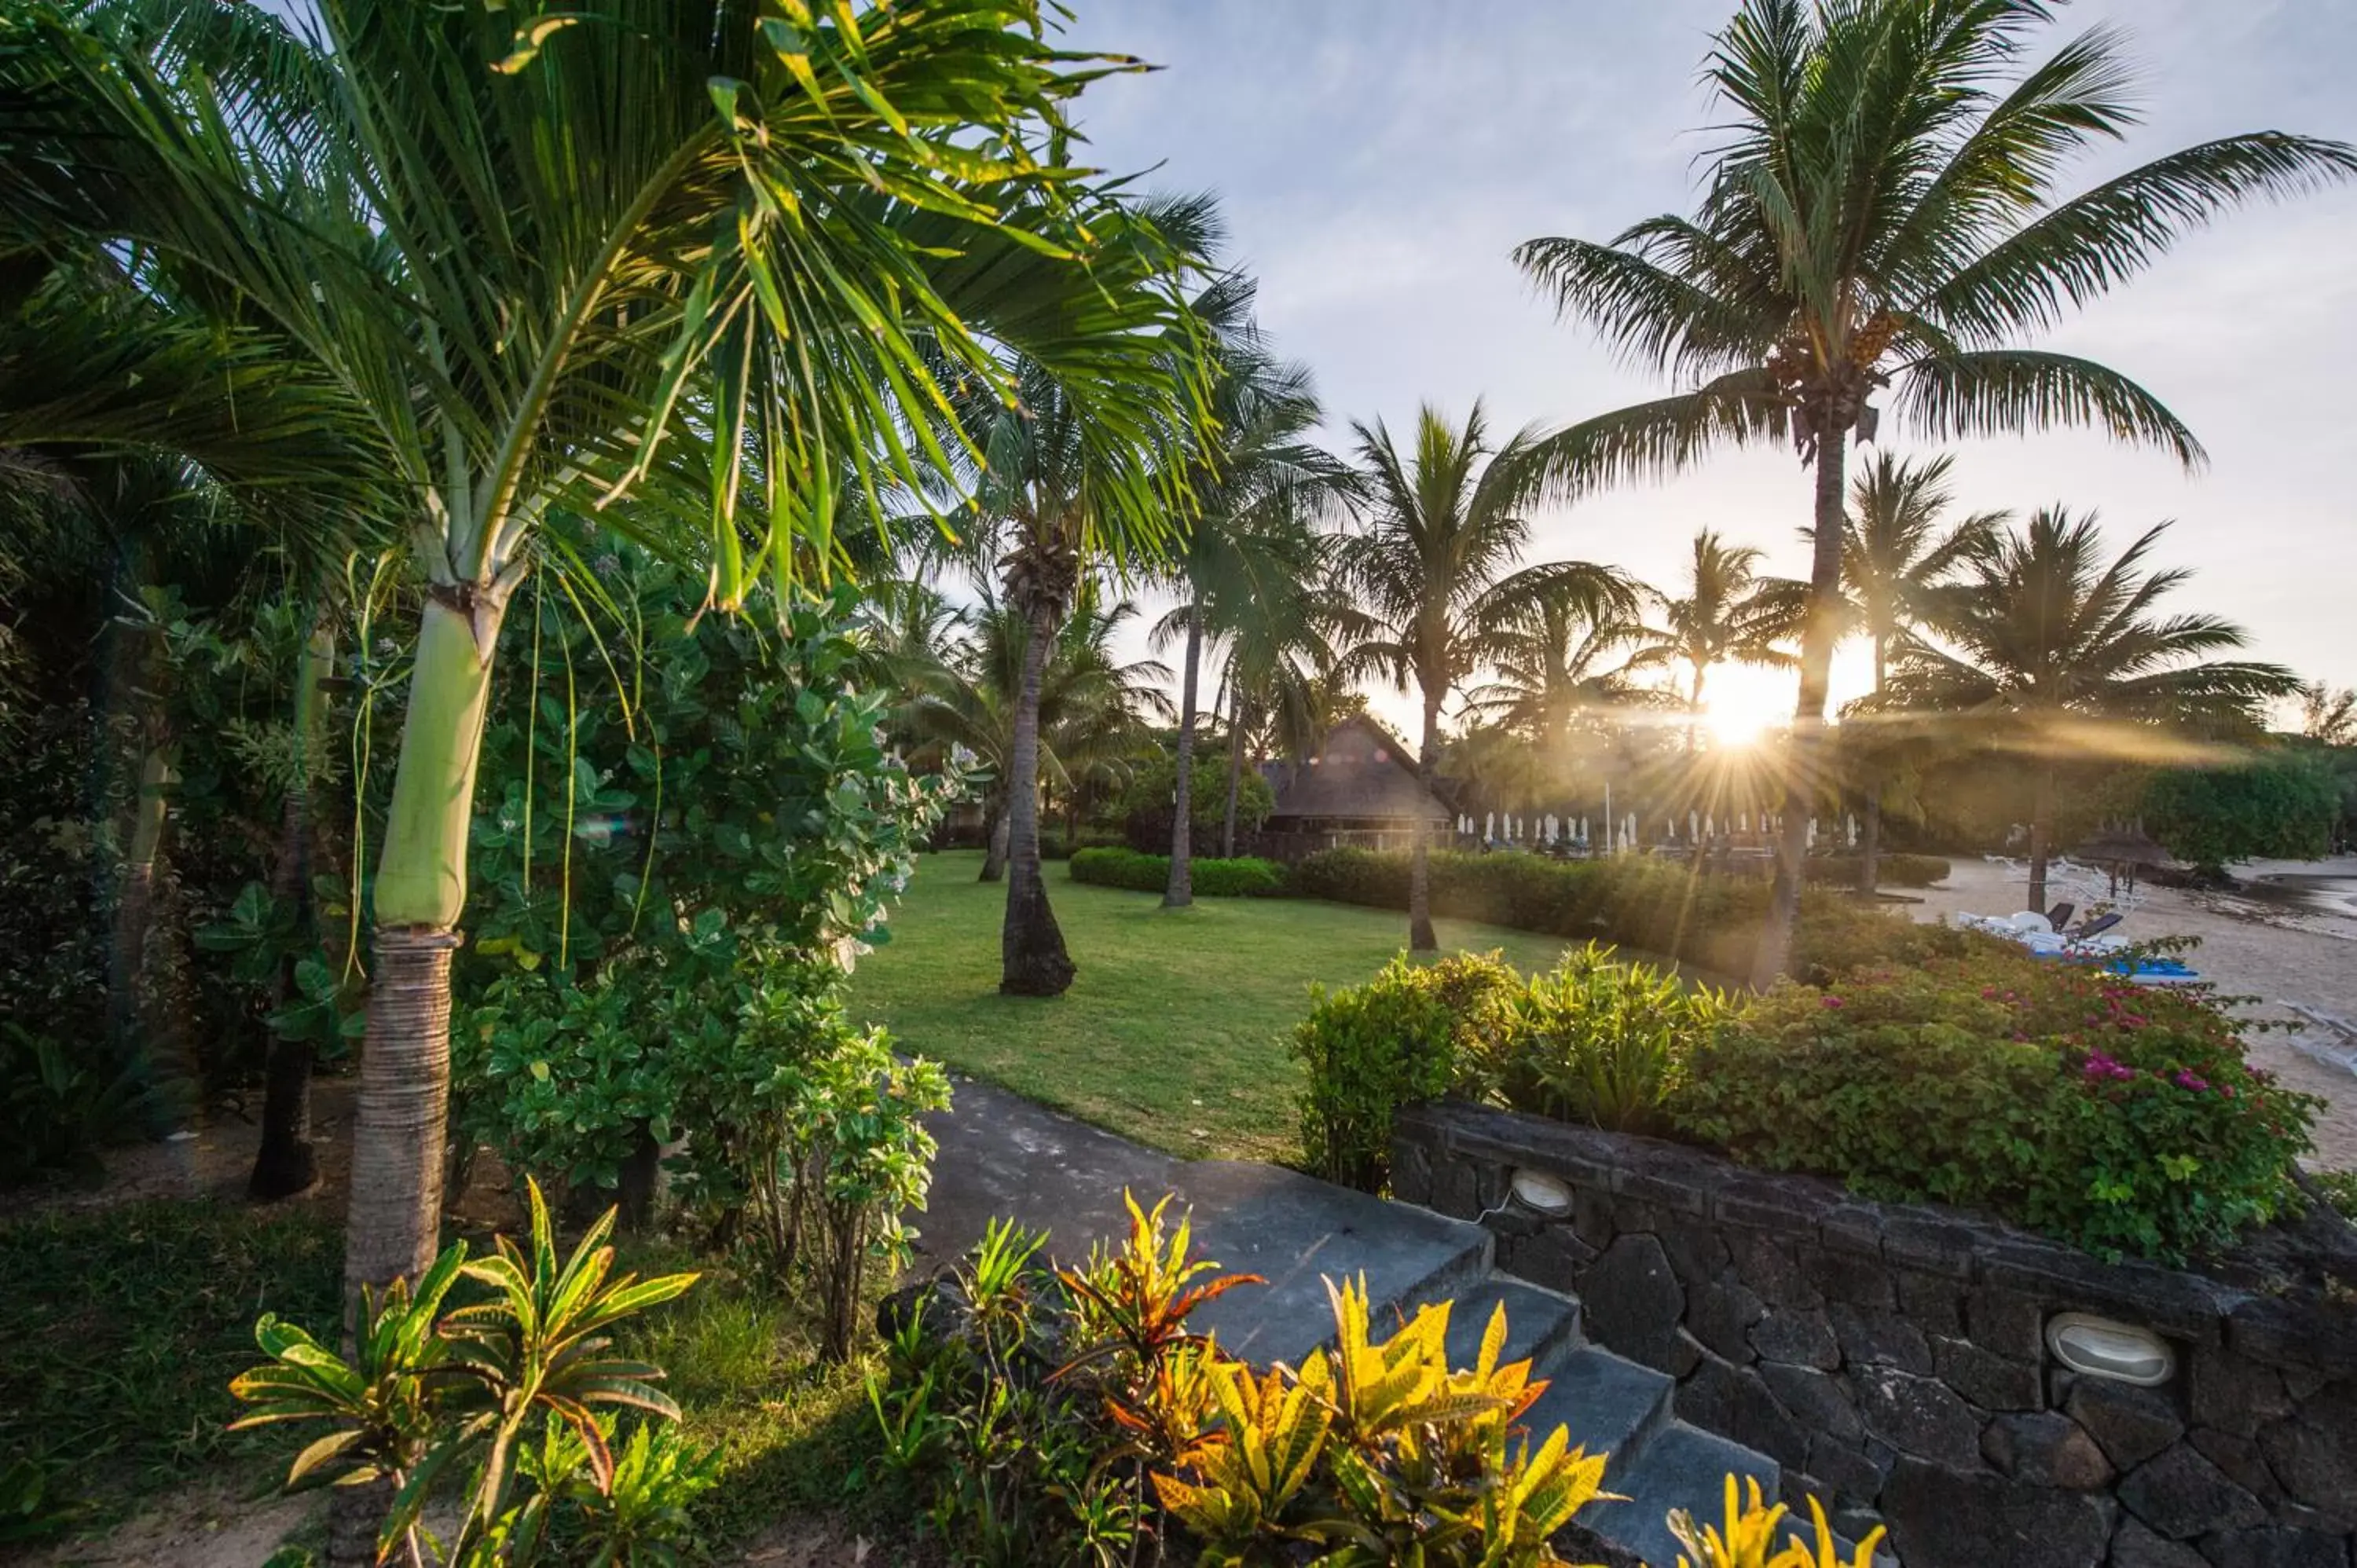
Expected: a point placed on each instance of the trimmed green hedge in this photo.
(1631, 901)
(1244, 877)
(1890, 870)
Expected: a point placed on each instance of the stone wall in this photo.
(1893, 1358)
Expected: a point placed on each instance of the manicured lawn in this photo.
(1174, 1033)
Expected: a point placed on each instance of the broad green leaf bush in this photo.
(1597, 1041)
(1402, 1037)
(1144, 806)
(1657, 906)
(2122, 1118)
(1071, 1417)
(1242, 878)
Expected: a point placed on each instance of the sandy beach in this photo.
(2275, 949)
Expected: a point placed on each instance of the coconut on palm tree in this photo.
(1728, 614)
(1435, 566)
(1897, 550)
(1882, 210)
(2049, 644)
(708, 261)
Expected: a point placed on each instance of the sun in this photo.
(1738, 723)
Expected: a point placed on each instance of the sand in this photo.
(2250, 946)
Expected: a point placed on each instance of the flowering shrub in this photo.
(2119, 1117)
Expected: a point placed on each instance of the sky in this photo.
(1379, 159)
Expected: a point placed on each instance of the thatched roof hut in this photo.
(1363, 780)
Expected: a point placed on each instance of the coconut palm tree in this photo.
(2043, 640)
(638, 250)
(1048, 509)
(1728, 614)
(1433, 568)
(1897, 549)
(2328, 714)
(1562, 665)
(1094, 707)
(1250, 544)
(1881, 209)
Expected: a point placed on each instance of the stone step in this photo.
(1299, 1232)
(1610, 1405)
(1539, 1323)
(1681, 1467)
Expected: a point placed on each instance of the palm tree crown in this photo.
(1727, 614)
(1882, 211)
(2044, 636)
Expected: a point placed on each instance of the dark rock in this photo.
(2244, 1465)
(2303, 1333)
(1925, 1239)
(1921, 1416)
(1591, 1216)
(1720, 1316)
(1869, 1338)
(1768, 1265)
(1799, 1334)
(1934, 1305)
(1818, 1402)
(1852, 1228)
(2007, 1322)
(1988, 1380)
(1941, 1518)
(1849, 1277)
(2045, 1449)
(2316, 1461)
(1786, 1203)
(1696, 1252)
(1636, 1216)
(2231, 1393)
(2136, 1547)
(2132, 1423)
(1411, 1170)
(1734, 1403)
(1686, 1354)
(2274, 1546)
(2182, 1495)
(1631, 1301)
(1552, 1256)
(1845, 1469)
(1456, 1190)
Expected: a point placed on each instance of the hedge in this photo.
(1655, 906)
(1890, 870)
(1242, 878)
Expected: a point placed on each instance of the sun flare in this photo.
(1739, 723)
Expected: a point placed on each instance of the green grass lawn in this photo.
(1173, 1034)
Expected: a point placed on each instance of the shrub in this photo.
(1242, 878)
(1074, 1419)
(1655, 906)
(1394, 1041)
(500, 1392)
(2121, 1118)
(1891, 868)
(1144, 805)
(1597, 1041)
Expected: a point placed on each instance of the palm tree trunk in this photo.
(1032, 959)
(2041, 831)
(394, 1223)
(135, 906)
(1870, 868)
(1235, 774)
(1420, 937)
(994, 839)
(1809, 712)
(1181, 890)
(286, 1164)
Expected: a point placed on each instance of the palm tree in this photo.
(1433, 569)
(1050, 504)
(1560, 664)
(2043, 640)
(2328, 714)
(1092, 707)
(1730, 614)
(524, 259)
(1255, 489)
(1895, 554)
(1882, 211)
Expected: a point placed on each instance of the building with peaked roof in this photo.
(1360, 790)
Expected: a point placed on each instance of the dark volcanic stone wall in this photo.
(1892, 1358)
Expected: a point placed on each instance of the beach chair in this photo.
(2060, 916)
(2098, 926)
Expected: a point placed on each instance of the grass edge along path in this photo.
(1174, 1034)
